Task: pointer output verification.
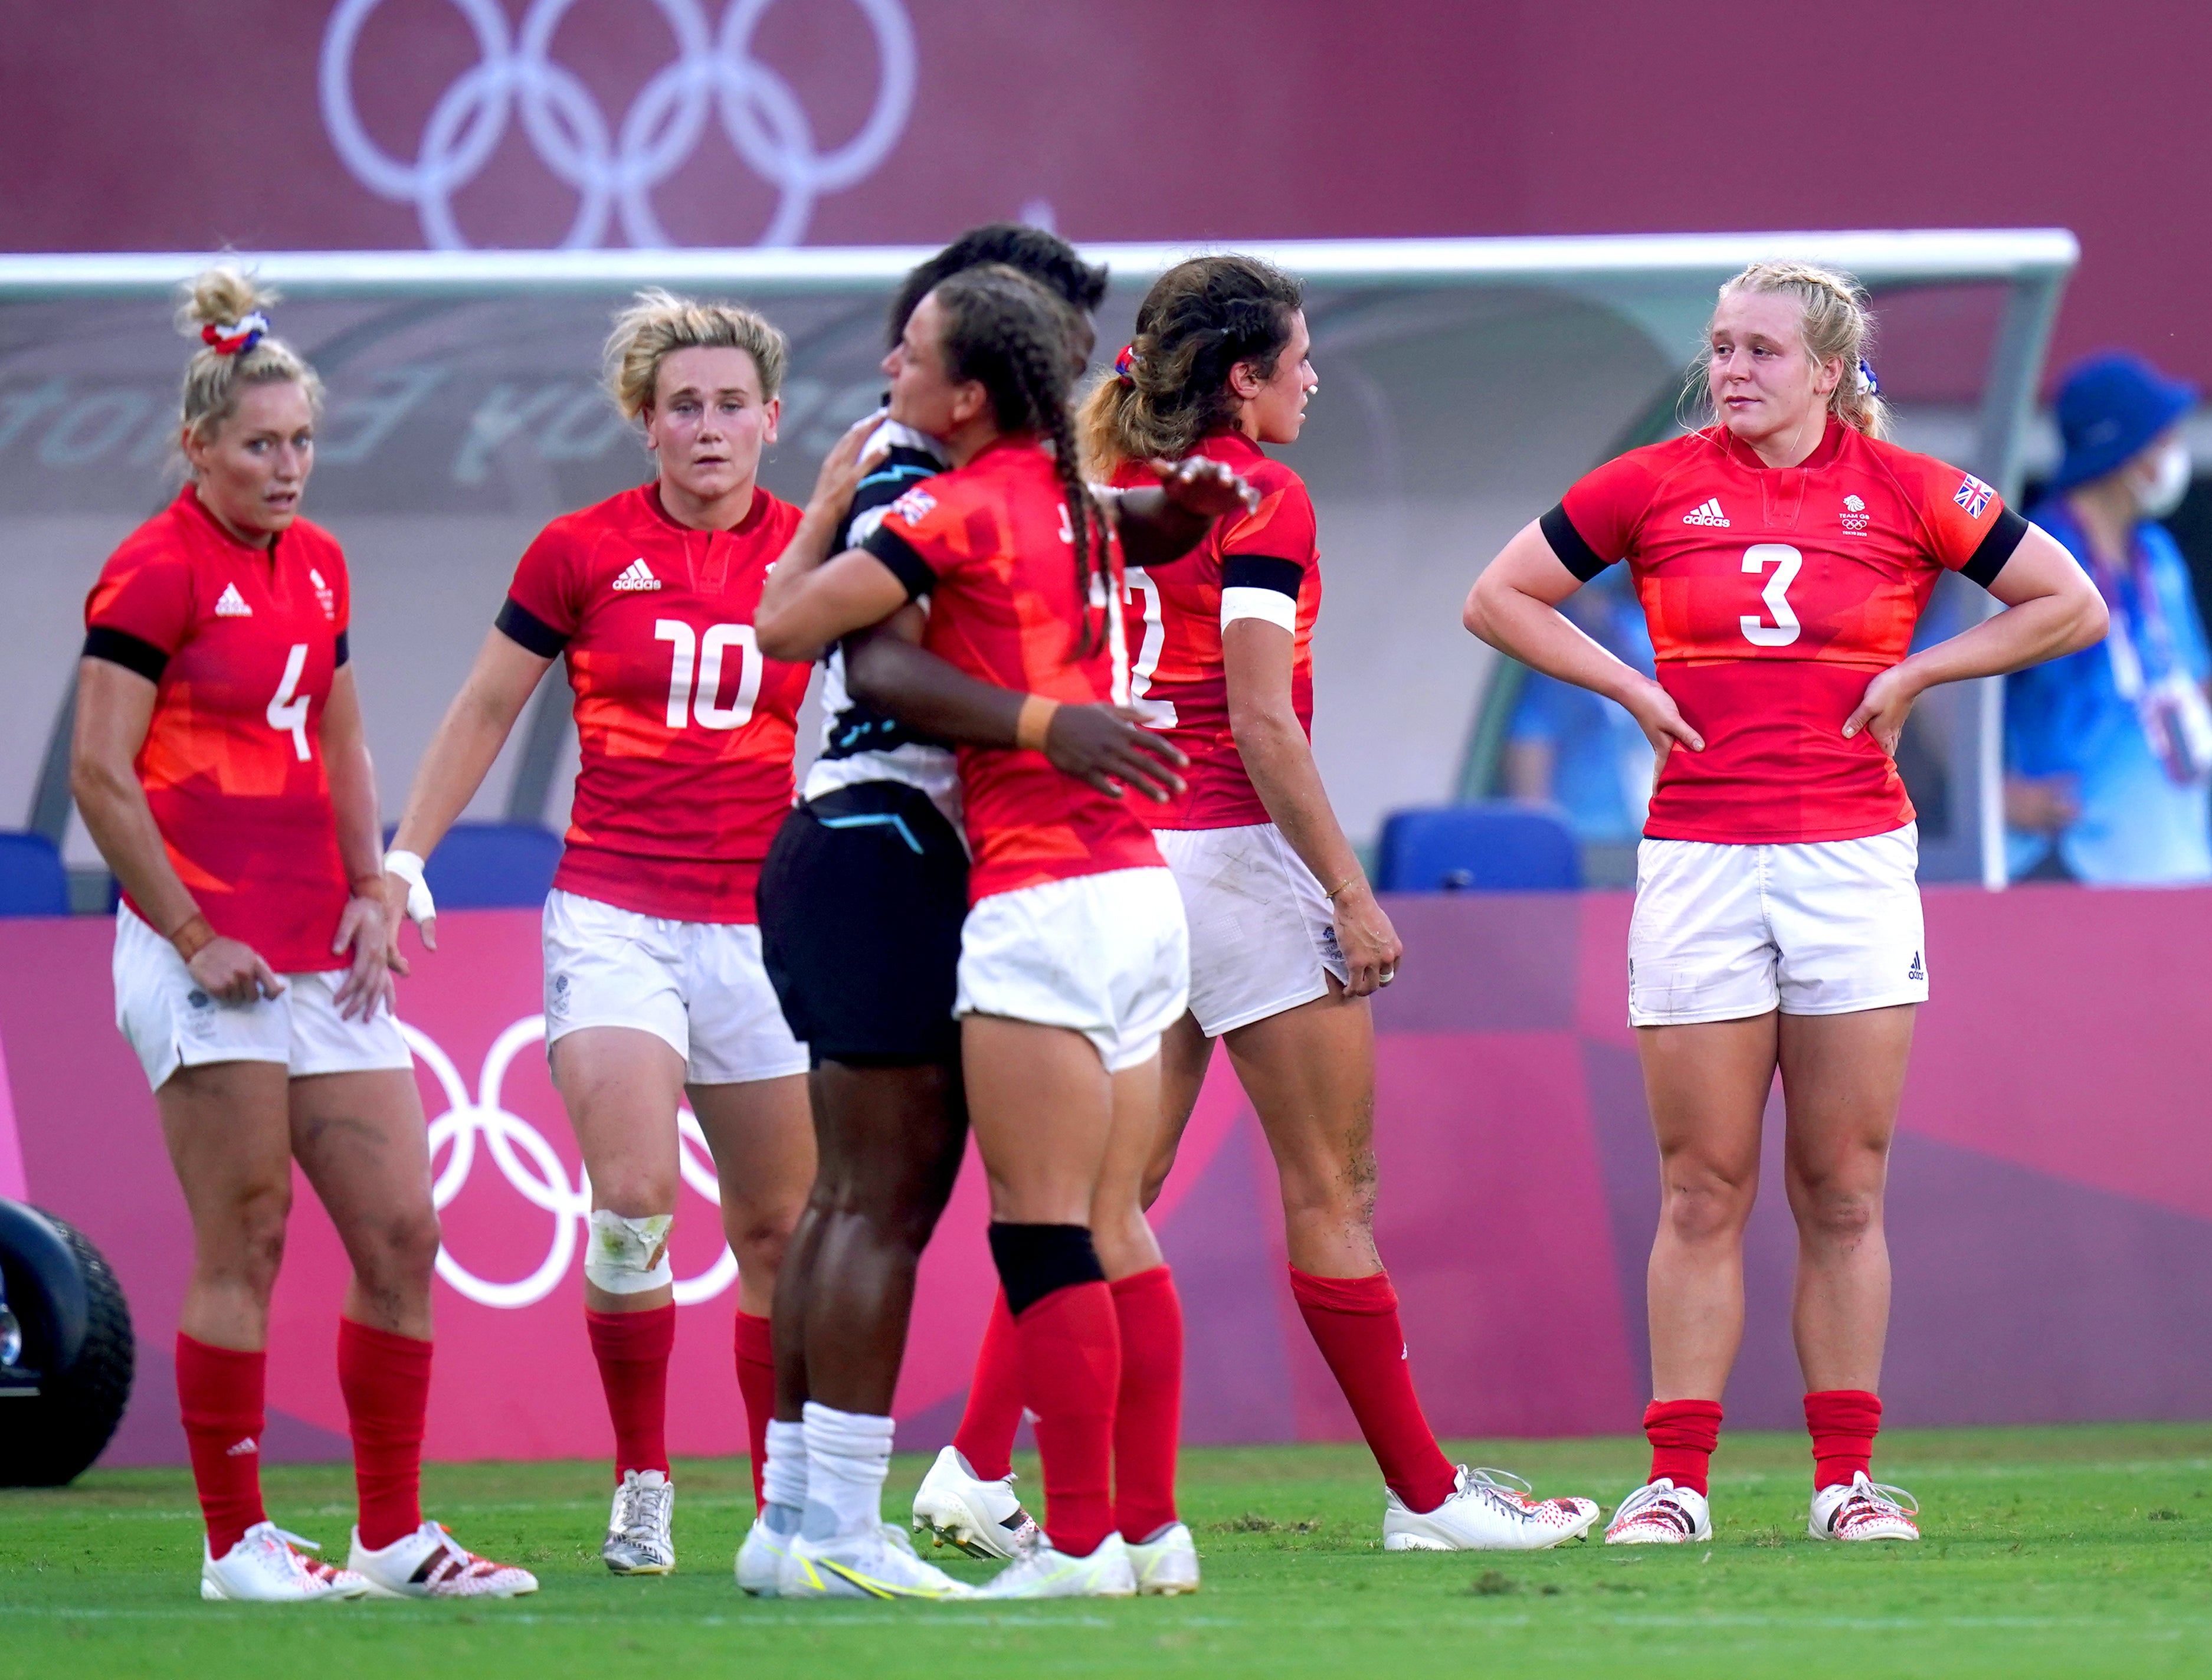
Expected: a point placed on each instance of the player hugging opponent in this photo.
(1783, 554)
(654, 982)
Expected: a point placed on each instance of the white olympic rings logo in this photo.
(542, 1178)
(618, 170)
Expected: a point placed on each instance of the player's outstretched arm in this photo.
(1514, 608)
(2051, 609)
(114, 708)
(1159, 524)
(469, 737)
(1094, 744)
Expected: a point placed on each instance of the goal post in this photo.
(1464, 384)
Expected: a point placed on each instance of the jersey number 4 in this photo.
(288, 710)
(703, 653)
(1786, 561)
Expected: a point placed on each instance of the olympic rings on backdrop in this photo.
(616, 171)
(529, 1164)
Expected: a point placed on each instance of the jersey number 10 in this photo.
(1785, 560)
(704, 654)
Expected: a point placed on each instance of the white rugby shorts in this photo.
(698, 986)
(1106, 955)
(1262, 932)
(1822, 928)
(172, 1022)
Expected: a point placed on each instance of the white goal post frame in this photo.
(1661, 283)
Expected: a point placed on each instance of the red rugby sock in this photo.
(633, 1349)
(385, 1380)
(986, 1436)
(1354, 1323)
(1844, 1423)
(756, 1350)
(1148, 1416)
(1683, 1434)
(1071, 1353)
(219, 1390)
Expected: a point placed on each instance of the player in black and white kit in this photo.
(862, 899)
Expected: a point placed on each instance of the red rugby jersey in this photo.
(1774, 596)
(686, 732)
(1175, 622)
(240, 643)
(989, 543)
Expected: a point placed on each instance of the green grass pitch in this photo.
(2074, 1551)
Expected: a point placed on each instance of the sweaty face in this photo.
(253, 472)
(1277, 410)
(922, 395)
(710, 421)
(1763, 381)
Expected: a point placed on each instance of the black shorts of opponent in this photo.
(861, 900)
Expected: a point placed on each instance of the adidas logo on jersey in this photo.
(637, 575)
(1855, 516)
(232, 605)
(1710, 514)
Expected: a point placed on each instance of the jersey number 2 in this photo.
(704, 654)
(1785, 560)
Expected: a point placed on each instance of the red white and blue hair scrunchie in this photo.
(236, 337)
(1124, 365)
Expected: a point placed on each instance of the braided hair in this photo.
(1836, 326)
(1017, 341)
(1200, 318)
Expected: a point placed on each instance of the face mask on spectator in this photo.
(2169, 482)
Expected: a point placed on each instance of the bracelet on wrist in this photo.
(1331, 894)
(192, 936)
(1033, 721)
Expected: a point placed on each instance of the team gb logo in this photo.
(1855, 516)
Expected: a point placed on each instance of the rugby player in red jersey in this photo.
(1287, 941)
(221, 768)
(1073, 956)
(1783, 555)
(654, 982)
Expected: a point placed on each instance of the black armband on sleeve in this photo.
(1996, 548)
(1576, 555)
(520, 625)
(132, 653)
(905, 563)
(341, 649)
(1262, 571)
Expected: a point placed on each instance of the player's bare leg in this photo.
(620, 1086)
(228, 1128)
(360, 1140)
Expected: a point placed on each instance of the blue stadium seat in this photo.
(1494, 846)
(32, 880)
(493, 866)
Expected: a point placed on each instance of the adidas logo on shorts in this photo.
(232, 605)
(1710, 514)
(1915, 972)
(637, 575)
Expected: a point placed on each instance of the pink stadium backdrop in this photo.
(2052, 1210)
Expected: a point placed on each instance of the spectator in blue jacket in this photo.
(2108, 751)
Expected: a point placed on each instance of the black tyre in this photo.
(62, 1395)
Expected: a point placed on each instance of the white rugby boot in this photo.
(1661, 1514)
(638, 1541)
(1167, 1563)
(1040, 1570)
(958, 1508)
(1864, 1510)
(430, 1563)
(877, 1563)
(1484, 1513)
(264, 1569)
(760, 1559)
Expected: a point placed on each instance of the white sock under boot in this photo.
(849, 1454)
(783, 1478)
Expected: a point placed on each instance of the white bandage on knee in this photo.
(628, 1257)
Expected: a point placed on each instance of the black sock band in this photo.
(1035, 1260)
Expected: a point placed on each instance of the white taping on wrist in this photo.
(407, 866)
(1242, 600)
(628, 1257)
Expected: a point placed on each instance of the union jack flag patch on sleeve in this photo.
(917, 504)
(1973, 495)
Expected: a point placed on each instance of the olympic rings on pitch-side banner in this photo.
(541, 1179)
(617, 171)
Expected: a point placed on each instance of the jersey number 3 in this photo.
(704, 653)
(1785, 560)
